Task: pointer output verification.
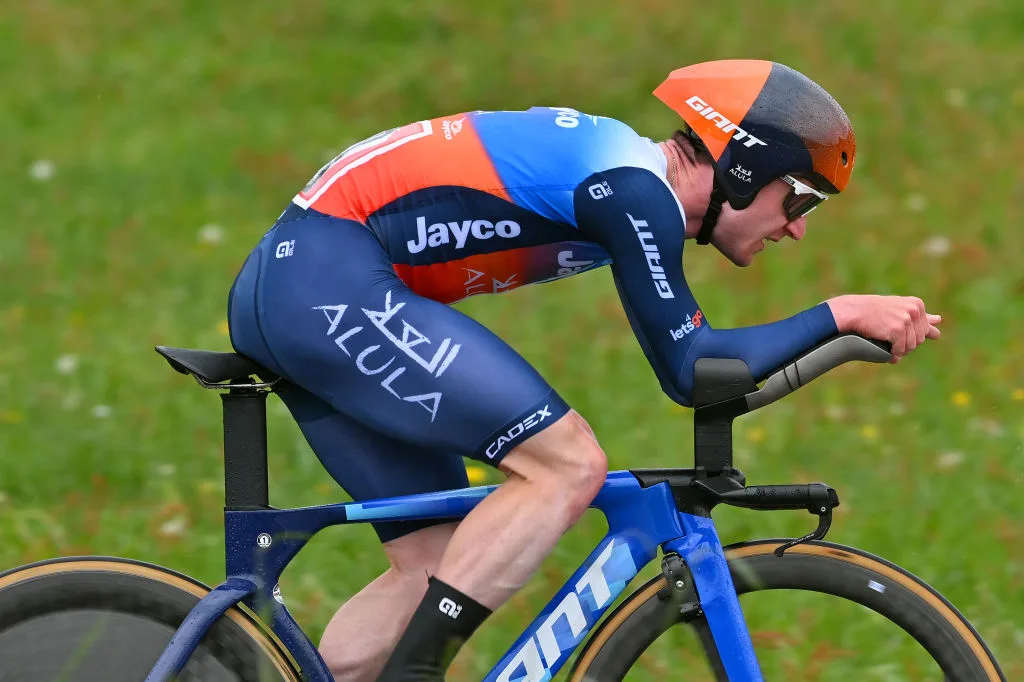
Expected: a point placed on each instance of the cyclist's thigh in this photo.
(339, 323)
(369, 465)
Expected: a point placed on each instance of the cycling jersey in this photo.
(484, 202)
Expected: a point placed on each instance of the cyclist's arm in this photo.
(638, 221)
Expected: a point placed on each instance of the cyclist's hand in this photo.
(900, 320)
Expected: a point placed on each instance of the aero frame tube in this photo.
(639, 519)
(702, 551)
(261, 543)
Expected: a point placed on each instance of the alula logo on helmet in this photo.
(727, 126)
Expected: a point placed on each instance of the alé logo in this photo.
(544, 649)
(449, 608)
(568, 266)
(459, 232)
(719, 119)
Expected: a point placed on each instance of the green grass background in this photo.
(147, 147)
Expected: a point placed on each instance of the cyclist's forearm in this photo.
(763, 347)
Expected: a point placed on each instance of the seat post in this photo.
(245, 449)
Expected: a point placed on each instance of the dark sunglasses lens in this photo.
(797, 205)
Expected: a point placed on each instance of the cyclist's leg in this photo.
(364, 630)
(497, 547)
(560, 471)
(552, 478)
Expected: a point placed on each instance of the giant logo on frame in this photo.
(565, 626)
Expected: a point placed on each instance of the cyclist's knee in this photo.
(566, 455)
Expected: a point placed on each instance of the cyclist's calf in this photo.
(362, 634)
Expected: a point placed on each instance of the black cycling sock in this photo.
(443, 621)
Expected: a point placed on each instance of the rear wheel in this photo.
(821, 612)
(97, 618)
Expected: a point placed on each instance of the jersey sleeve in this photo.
(633, 214)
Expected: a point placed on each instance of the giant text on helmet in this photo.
(653, 257)
(459, 232)
(727, 126)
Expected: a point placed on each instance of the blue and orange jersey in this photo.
(479, 202)
(484, 202)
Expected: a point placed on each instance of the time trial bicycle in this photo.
(79, 619)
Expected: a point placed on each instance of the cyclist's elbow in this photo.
(681, 393)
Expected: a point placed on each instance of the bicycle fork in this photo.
(707, 591)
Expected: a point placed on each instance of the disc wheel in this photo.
(97, 618)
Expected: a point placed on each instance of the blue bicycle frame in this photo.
(642, 509)
(261, 543)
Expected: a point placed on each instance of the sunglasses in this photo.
(802, 200)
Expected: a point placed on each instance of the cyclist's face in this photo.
(740, 235)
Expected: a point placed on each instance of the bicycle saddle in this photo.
(213, 367)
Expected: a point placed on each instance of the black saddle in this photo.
(213, 367)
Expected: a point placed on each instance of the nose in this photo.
(796, 229)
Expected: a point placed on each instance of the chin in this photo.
(742, 260)
(736, 259)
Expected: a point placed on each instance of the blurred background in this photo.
(148, 146)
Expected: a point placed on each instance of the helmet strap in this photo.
(711, 216)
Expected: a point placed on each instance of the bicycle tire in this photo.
(80, 619)
(827, 568)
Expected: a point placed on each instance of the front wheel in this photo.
(813, 627)
(97, 618)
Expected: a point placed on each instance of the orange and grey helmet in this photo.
(760, 121)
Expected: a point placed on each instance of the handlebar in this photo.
(826, 356)
(816, 498)
(718, 379)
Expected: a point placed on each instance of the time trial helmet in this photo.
(760, 121)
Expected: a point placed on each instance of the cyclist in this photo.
(345, 297)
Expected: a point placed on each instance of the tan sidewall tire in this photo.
(743, 560)
(241, 616)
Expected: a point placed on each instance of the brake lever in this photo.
(824, 523)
